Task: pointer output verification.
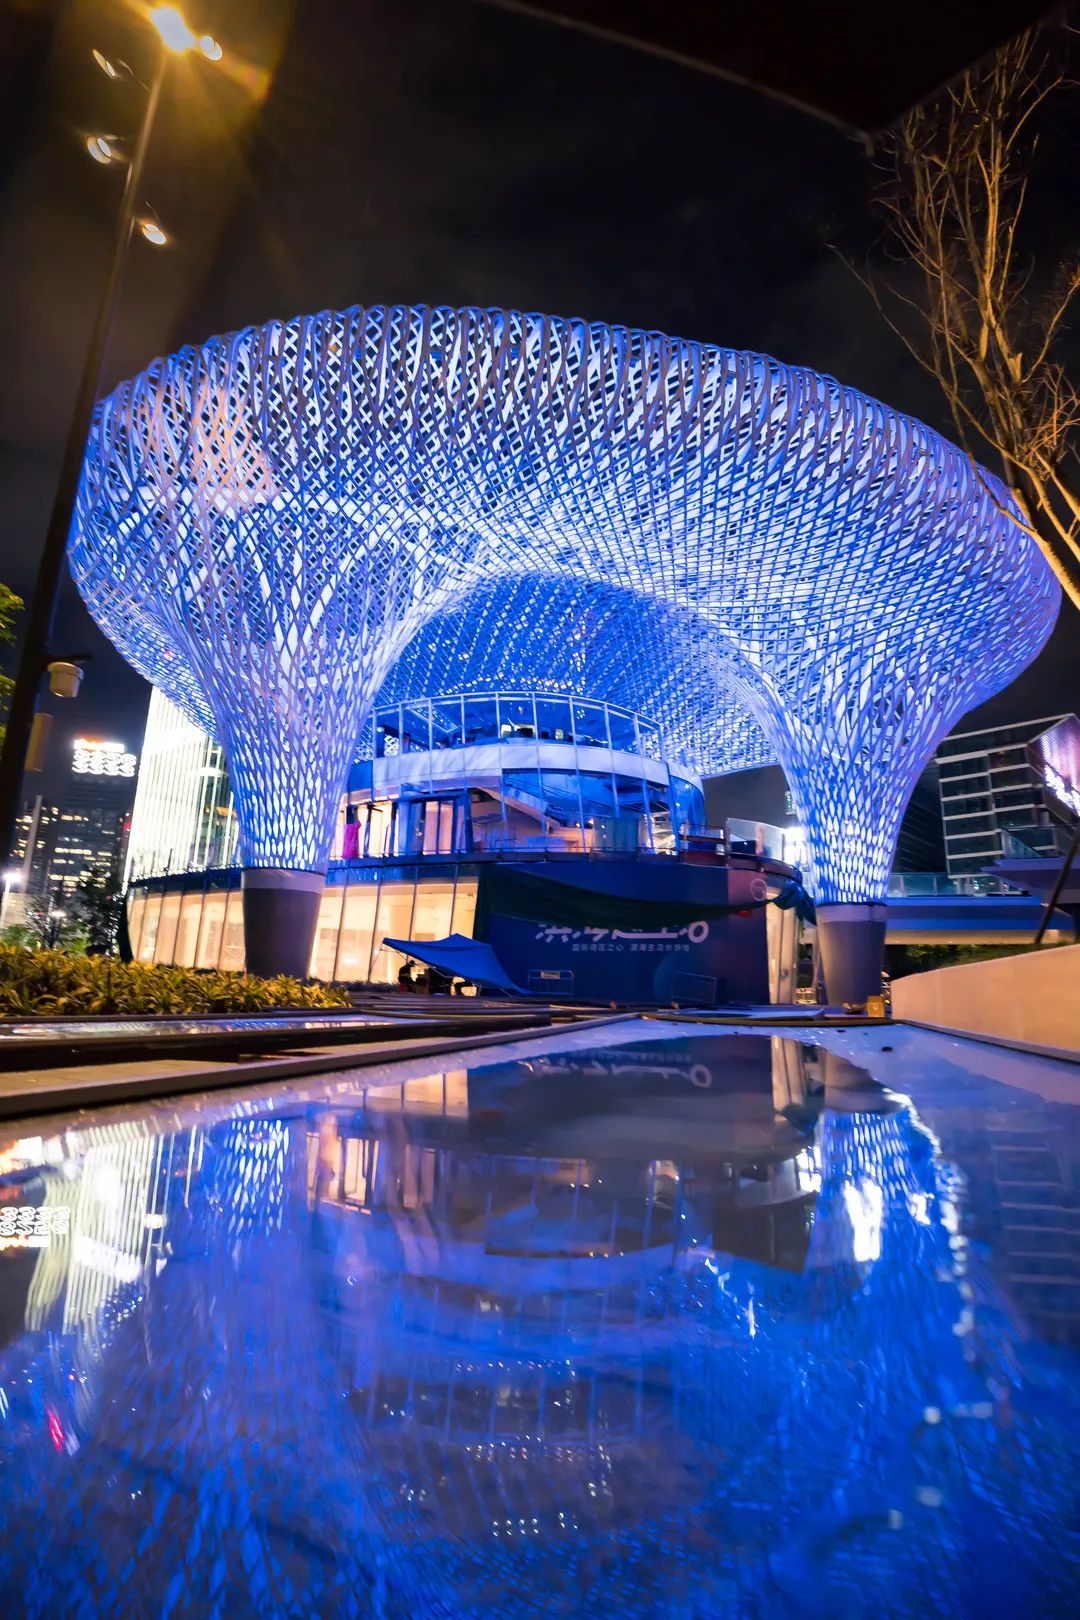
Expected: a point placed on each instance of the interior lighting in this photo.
(153, 232)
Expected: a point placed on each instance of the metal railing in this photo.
(914, 884)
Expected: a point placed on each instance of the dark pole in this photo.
(1058, 886)
(36, 651)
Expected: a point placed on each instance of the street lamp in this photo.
(11, 878)
(176, 38)
(100, 148)
(108, 68)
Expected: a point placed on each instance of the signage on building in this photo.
(30, 1226)
(623, 939)
(1055, 755)
(92, 757)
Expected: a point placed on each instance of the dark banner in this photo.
(704, 961)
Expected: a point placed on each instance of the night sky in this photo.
(438, 151)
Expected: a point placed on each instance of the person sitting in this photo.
(405, 980)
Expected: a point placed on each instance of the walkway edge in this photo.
(98, 1092)
(1063, 1054)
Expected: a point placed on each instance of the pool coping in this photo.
(33, 1094)
(1062, 1054)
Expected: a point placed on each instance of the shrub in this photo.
(57, 983)
(906, 959)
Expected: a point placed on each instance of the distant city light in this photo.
(91, 757)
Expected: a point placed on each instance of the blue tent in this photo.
(461, 957)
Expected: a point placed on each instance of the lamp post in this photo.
(11, 878)
(177, 39)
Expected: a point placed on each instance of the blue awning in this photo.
(462, 957)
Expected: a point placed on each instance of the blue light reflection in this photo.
(704, 1326)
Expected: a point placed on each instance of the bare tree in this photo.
(987, 315)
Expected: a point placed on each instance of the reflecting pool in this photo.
(649, 1321)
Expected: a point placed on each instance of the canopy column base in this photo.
(281, 909)
(852, 943)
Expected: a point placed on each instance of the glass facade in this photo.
(204, 927)
(993, 799)
(360, 909)
(535, 772)
(183, 819)
(498, 717)
(454, 775)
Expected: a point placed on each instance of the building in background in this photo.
(921, 844)
(183, 818)
(1054, 757)
(79, 834)
(995, 798)
(756, 805)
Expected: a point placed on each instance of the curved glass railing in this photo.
(509, 717)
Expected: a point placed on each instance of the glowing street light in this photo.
(177, 36)
(175, 33)
(100, 148)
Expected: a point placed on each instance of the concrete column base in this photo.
(281, 909)
(852, 943)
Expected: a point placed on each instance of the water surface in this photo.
(685, 1324)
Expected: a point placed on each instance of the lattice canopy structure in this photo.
(276, 525)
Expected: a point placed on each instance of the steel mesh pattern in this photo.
(781, 567)
(577, 645)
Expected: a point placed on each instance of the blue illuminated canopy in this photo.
(280, 524)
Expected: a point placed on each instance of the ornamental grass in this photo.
(60, 983)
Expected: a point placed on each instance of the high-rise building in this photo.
(920, 845)
(994, 798)
(183, 817)
(80, 834)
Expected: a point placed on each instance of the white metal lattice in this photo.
(768, 563)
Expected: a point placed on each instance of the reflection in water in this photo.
(693, 1327)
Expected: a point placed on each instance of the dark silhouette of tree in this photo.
(988, 312)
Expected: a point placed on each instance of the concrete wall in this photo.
(1033, 998)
